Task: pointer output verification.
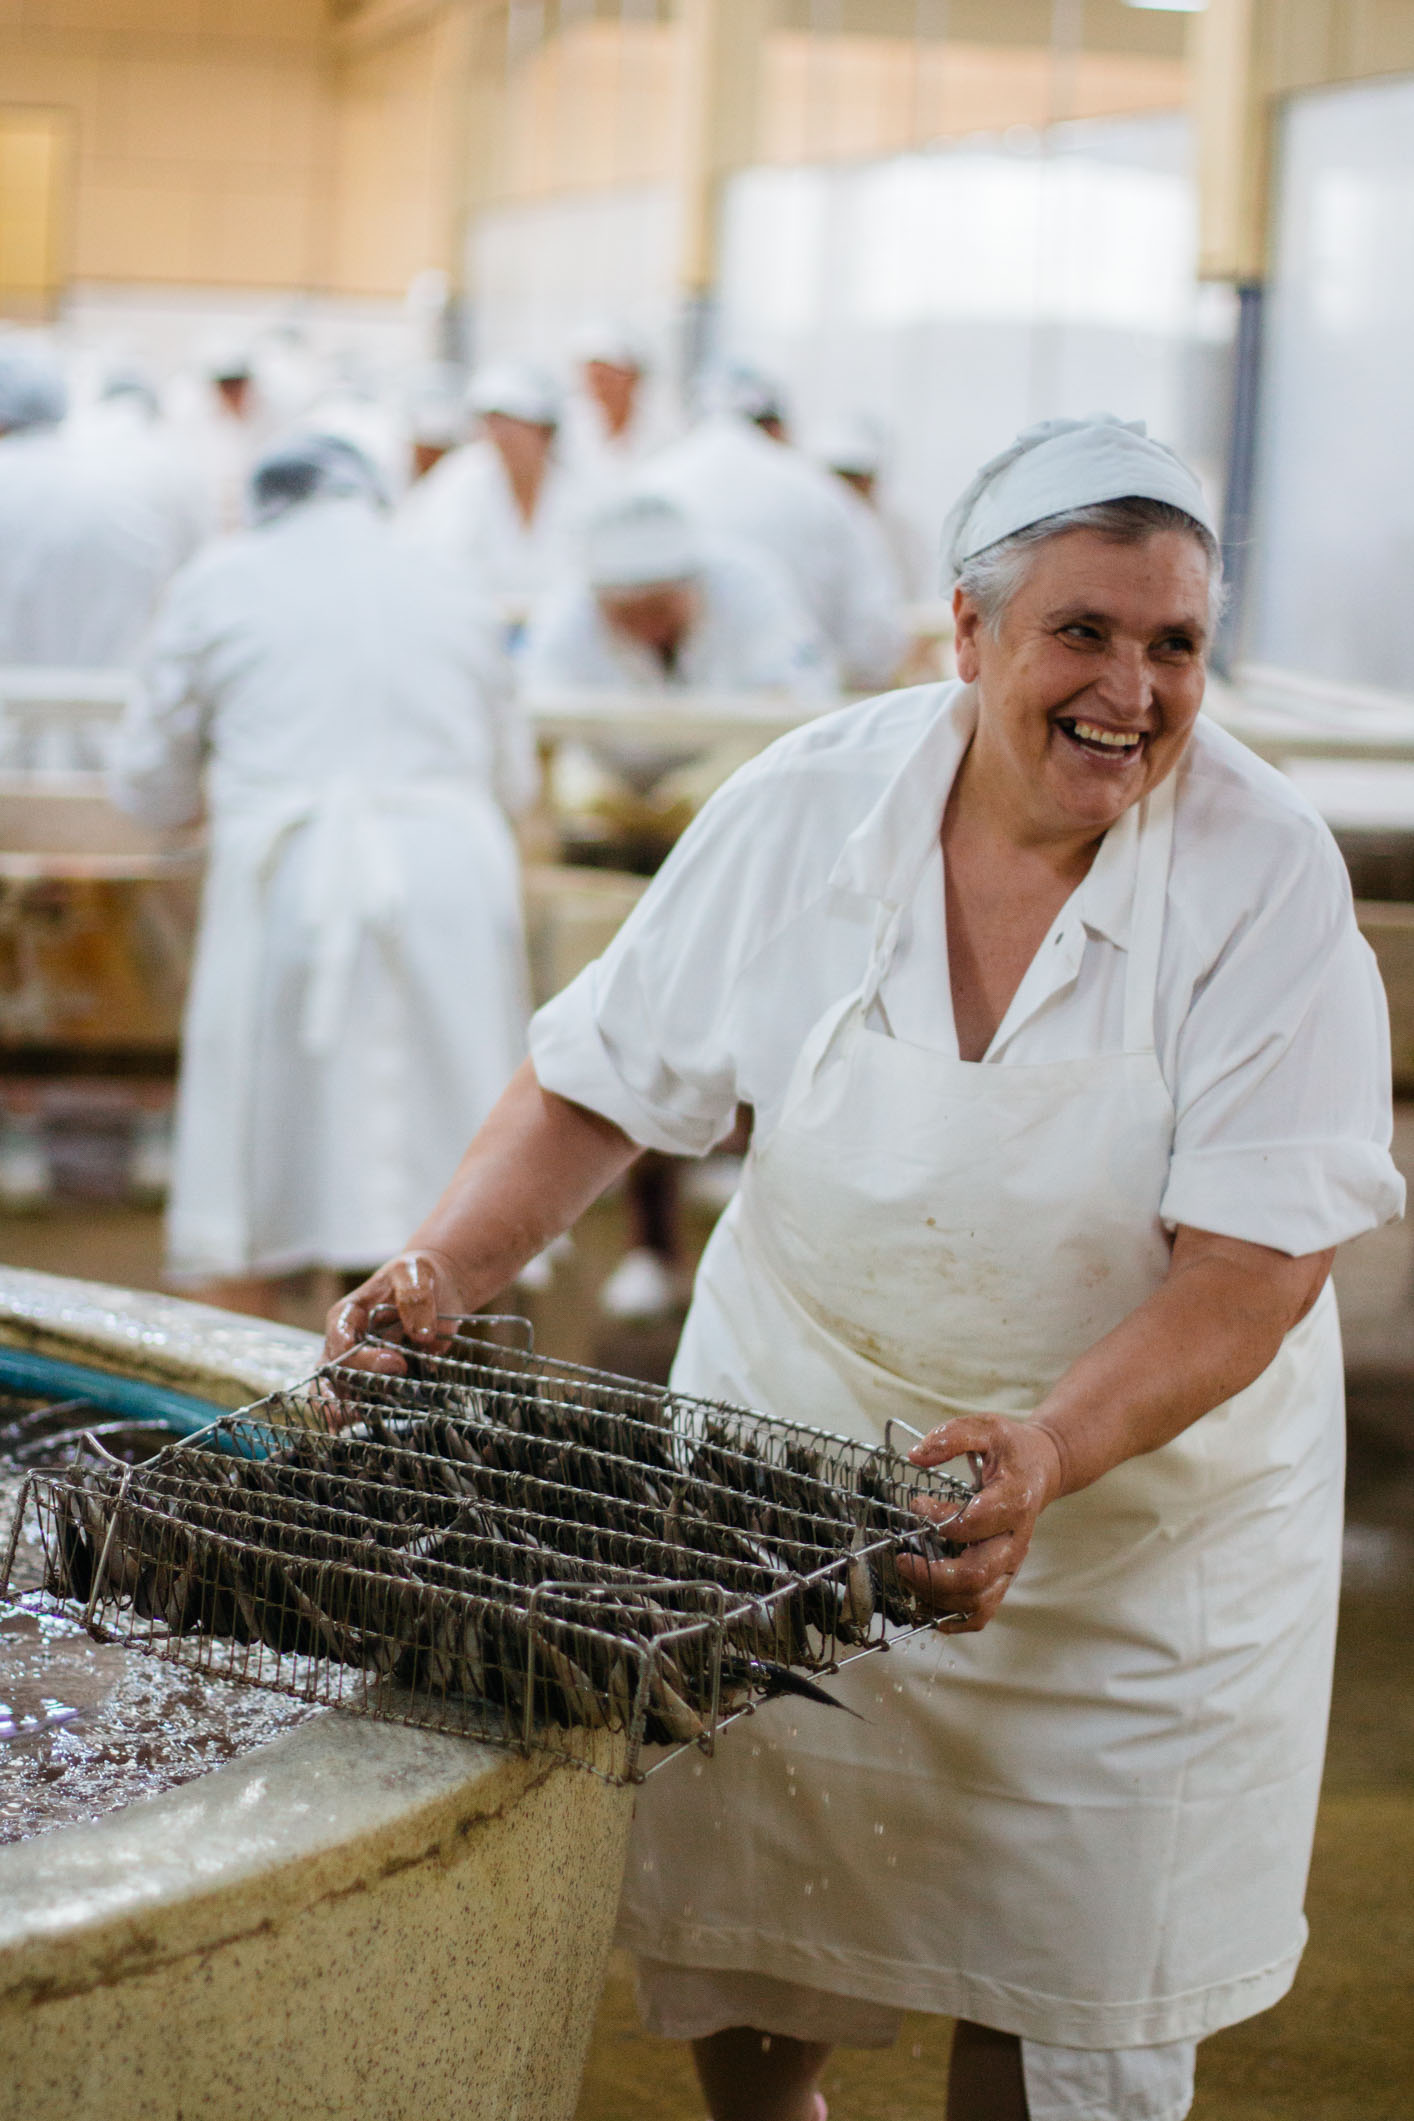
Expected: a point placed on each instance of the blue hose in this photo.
(46, 1377)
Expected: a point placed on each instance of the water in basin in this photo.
(88, 1726)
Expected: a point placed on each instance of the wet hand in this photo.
(421, 1287)
(1020, 1473)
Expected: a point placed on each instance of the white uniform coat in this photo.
(743, 487)
(88, 539)
(1089, 1824)
(465, 508)
(358, 1000)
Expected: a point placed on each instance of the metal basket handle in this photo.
(470, 1323)
(974, 1458)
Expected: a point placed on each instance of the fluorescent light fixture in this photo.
(1170, 7)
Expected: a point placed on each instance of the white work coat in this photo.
(752, 635)
(465, 509)
(89, 537)
(359, 995)
(1089, 1824)
(743, 487)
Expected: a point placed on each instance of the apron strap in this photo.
(1146, 929)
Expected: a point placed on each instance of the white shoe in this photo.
(538, 1273)
(152, 1154)
(26, 1178)
(713, 1182)
(640, 1287)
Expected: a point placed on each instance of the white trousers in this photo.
(1062, 2083)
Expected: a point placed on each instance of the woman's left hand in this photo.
(1021, 1473)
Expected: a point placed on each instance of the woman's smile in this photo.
(1113, 746)
(1089, 684)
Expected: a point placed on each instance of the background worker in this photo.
(88, 535)
(855, 448)
(337, 702)
(656, 604)
(504, 506)
(659, 609)
(617, 413)
(737, 475)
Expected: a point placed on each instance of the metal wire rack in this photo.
(497, 1543)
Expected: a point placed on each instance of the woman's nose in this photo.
(1126, 682)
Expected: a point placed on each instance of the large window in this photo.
(965, 293)
(1335, 523)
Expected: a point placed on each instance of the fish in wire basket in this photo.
(489, 1541)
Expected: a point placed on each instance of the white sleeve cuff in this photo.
(1296, 1197)
(571, 1058)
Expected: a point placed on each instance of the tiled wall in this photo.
(201, 133)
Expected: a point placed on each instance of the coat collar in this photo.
(884, 855)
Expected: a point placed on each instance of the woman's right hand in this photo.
(423, 1287)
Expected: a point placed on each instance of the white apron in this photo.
(355, 885)
(1089, 1824)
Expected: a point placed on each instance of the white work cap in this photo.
(1066, 464)
(128, 383)
(517, 389)
(615, 345)
(853, 443)
(227, 360)
(745, 391)
(639, 541)
(32, 388)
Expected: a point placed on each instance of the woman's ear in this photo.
(967, 624)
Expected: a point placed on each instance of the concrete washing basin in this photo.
(356, 1920)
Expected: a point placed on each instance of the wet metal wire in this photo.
(495, 1543)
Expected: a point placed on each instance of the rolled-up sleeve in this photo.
(645, 1035)
(1282, 1080)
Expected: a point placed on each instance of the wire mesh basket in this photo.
(496, 1543)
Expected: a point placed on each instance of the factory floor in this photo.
(1341, 2046)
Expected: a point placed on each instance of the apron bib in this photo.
(1091, 1823)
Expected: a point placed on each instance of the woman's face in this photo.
(1090, 686)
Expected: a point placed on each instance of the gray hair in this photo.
(993, 576)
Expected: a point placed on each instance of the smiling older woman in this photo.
(1070, 1069)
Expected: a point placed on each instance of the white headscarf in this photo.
(1065, 464)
